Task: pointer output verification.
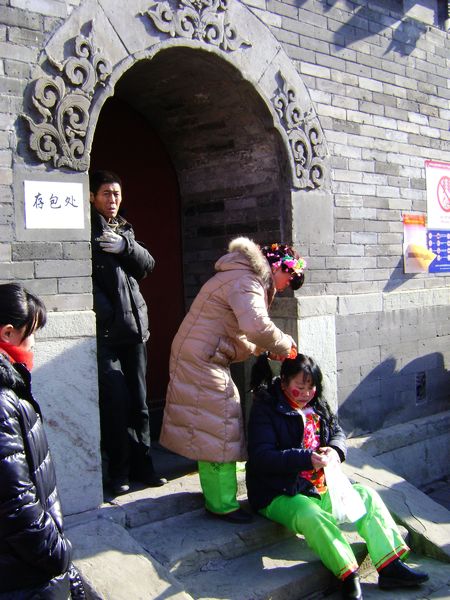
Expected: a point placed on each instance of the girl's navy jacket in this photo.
(275, 446)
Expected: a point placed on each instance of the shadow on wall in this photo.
(387, 396)
(362, 25)
(398, 277)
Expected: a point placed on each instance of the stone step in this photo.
(148, 505)
(187, 542)
(286, 570)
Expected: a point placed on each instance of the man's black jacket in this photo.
(118, 303)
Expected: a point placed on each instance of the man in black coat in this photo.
(119, 262)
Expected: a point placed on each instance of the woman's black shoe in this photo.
(351, 587)
(236, 516)
(397, 575)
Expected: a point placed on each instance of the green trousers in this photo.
(312, 518)
(219, 486)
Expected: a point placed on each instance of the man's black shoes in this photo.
(398, 575)
(119, 486)
(149, 478)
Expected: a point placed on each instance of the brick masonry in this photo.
(376, 74)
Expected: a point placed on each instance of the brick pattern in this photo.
(378, 83)
(58, 271)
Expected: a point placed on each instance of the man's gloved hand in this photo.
(112, 242)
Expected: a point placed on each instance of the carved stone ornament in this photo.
(63, 103)
(203, 20)
(305, 136)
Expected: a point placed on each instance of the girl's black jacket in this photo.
(34, 553)
(275, 446)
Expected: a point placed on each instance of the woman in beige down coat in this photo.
(227, 322)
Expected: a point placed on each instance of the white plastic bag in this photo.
(347, 505)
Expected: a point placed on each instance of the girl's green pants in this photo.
(312, 518)
(219, 486)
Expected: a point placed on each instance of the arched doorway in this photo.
(201, 163)
(151, 204)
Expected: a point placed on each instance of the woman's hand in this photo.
(292, 353)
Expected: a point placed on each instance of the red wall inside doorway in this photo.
(125, 143)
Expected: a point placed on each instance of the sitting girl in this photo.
(292, 436)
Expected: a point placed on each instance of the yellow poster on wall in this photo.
(416, 256)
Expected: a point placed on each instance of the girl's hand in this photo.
(319, 460)
(324, 457)
(331, 453)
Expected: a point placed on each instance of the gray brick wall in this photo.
(378, 82)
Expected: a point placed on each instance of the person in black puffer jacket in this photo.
(35, 555)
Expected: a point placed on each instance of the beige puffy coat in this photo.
(226, 323)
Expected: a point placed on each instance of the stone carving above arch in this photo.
(306, 139)
(68, 97)
(63, 103)
(203, 20)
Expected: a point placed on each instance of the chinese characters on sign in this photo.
(53, 205)
(438, 207)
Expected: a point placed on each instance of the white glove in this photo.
(112, 242)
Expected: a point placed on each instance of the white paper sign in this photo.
(53, 205)
(438, 194)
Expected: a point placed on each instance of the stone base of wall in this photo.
(65, 385)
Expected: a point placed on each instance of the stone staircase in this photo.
(194, 555)
(159, 544)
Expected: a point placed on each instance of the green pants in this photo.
(312, 518)
(219, 486)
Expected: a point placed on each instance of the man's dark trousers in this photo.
(124, 417)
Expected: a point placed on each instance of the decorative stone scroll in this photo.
(305, 136)
(203, 20)
(64, 102)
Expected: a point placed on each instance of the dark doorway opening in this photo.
(125, 142)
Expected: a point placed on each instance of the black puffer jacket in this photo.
(275, 447)
(118, 303)
(34, 553)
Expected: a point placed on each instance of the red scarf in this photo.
(17, 355)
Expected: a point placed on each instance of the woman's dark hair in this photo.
(20, 308)
(98, 178)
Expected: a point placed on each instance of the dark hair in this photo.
(20, 308)
(262, 375)
(278, 253)
(98, 178)
(290, 367)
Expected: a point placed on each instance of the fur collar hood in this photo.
(242, 254)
